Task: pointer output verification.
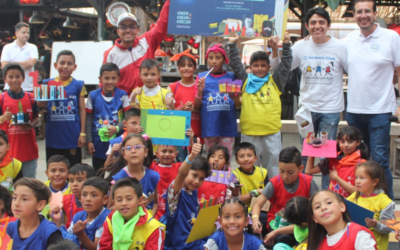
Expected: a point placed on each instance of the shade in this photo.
(69, 23)
(36, 18)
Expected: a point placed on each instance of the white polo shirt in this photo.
(371, 61)
(13, 53)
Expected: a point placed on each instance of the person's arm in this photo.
(310, 167)
(333, 175)
(169, 101)
(364, 241)
(28, 63)
(89, 137)
(386, 214)
(247, 197)
(274, 59)
(155, 204)
(79, 231)
(155, 241)
(185, 167)
(282, 73)
(255, 212)
(200, 83)
(82, 117)
(135, 93)
(234, 58)
(159, 32)
(269, 238)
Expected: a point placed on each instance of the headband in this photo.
(217, 48)
(145, 137)
(187, 53)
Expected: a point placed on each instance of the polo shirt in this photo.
(13, 53)
(371, 61)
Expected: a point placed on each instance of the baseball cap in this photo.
(126, 16)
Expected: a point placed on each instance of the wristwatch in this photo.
(254, 193)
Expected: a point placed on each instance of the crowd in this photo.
(137, 195)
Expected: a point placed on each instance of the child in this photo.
(184, 92)
(218, 117)
(131, 124)
(31, 230)
(371, 194)
(66, 119)
(5, 205)
(9, 166)
(252, 178)
(63, 245)
(14, 101)
(233, 219)
(87, 225)
(152, 96)
(289, 183)
(260, 119)
(105, 104)
(132, 223)
(330, 225)
(78, 174)
(57, 172)
(182, 204)
(341, 170)
(296, 211)
(131, 164)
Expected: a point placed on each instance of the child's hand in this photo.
(139, 129)
(6, 117)
(200, 86)
(116, 148)
(79, 227)
(235, 97)
(81, 141)
(196, 149)
(145, 202)
(26, 127)
(137, 91)
(188, 106)
(112, 130)
(333, 174)
(90, 148)
(371, 222)
(273, 42)
(257, 226)
(269, 238)
(235, 189)
(170, 101)
(397, 235)
(286, 37)
(233, 39)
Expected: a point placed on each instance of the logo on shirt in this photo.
(111, 121)
(61, 112)
(375, 47)
(217, 101)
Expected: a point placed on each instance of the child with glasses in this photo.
(134, 153)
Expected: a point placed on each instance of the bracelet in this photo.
(200, 97)
(255, 216)
(117, 129)
(256, 192)
(187, 160)
(82, 134)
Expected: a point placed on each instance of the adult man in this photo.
(21, 52)
(321, 60)
(373, 54)
(129, 50)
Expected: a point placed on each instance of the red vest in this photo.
(281, 196)
(167, 175)
(209, 190)
(22, 143)
(348, 239)
(70, 208)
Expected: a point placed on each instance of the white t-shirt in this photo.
(372, 61)
(13, 53)
(364, 240)
(152, 92)
(321, 87)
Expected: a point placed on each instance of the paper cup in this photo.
(324, 137)
(310, 138)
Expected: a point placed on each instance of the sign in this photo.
(326, 151)
(358, 214)
(249, 18)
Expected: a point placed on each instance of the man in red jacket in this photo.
(129, 50)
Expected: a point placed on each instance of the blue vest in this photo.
(250, 241)
(111, 111)
(218, 117)
(149, 182)
(37, 240)
(97, 223)
(180, 224)
(63, 122)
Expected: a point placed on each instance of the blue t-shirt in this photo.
(218, 115)
(250, 241)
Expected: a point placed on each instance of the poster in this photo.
(249, 18)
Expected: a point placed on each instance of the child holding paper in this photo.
(151, 95)
(341, 170)
(217, 111)
(371, 194)
(105, 108)
(260, 118)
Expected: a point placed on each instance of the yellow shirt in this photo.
(261, 112)
(251, 181)
(376, 204)
(64, 191)
(66, 83)
(153, 102)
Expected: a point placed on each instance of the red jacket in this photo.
(152, 243)
(144, 47)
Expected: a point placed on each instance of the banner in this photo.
(249, 18)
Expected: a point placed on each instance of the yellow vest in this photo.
(146, 102)
(64, 192)
(142, 232)
(11, 170)
(261, 112)
(251, 181)
(302, 246)
(376, 204)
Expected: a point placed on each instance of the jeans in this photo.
(324, 122)
(29, 168)
(375, 130)
(182, 153)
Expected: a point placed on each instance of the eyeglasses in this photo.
(366, 12)
(124, 27)
(136, 147)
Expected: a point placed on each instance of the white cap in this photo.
(126, 16)
(304, 121)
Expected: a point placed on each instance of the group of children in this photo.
(143, 198)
